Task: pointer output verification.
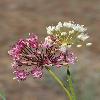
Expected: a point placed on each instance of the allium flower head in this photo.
(30, 57)
(68, 34)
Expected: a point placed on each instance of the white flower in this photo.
(68, 24)
(79, 46)
(79, 28)
(83, 36)
(76, 27)
(88, 44)
(63, 33)
(72, 31)
(50, 29)
(68, 32)
(58, 26)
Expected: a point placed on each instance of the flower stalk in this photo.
(60, 82)
(71, 85)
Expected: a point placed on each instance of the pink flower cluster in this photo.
(31, 56)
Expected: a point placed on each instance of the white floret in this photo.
(68, 24)
(83, 37)
(79, 28)
(64, 33)
(58, 26)
(50, 29)
(88, 44)
(79, 46)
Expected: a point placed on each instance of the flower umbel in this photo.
(68, 34)
(30, 57)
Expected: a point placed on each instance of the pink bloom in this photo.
(30, 57)
(32, 40)
(36, 72)
(21, 74)
(16, 50)
(69, 57)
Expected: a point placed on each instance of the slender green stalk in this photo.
(60, 82)
(2, 96)
(71, 85)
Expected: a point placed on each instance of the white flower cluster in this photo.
(83, 36)
(75, 27)
(69, 33)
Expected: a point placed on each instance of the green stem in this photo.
(60, 82)
(2, 96)
(71, 84)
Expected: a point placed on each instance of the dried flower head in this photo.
(30, 57)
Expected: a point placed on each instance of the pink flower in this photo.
(68, 57)
(21, 74)
(30, 57)
(71, 58)
(32, 40)
(36, 72)
(16, 50)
